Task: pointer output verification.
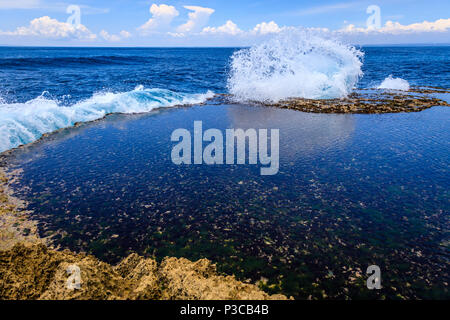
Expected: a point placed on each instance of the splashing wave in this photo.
(294, 64)
(391, 83)
(22, 123)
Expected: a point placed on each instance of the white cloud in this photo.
(19, 4)
(109, 37)
(51, 28)
(438, 25)
(441, 25)
(266, 28)
(197, 19)
(228, 28)
(125, 34)
(114, 37)
(162, 16)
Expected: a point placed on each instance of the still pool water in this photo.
(352, 191)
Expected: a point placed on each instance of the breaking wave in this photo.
(391, 83)
(294, 64)
(22, 123)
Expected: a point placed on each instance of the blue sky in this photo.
(217, 23)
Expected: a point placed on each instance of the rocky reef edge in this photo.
(33, 271)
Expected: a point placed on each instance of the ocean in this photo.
(41, 80)
(352, 190)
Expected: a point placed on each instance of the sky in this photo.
(218, 23)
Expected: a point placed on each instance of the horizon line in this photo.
(211, 47)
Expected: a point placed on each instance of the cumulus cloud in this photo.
(51, 28)
(441, 25)
(266, 28)
(162, 16)
(115, 37)
(228, 28)
(261, 29)
(198, 18)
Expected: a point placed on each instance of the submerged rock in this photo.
(33, 271)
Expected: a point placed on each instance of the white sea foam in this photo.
(294, 64)
(22, 123)
(391, 83)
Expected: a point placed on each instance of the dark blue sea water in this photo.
(352, 190)
(78, 73)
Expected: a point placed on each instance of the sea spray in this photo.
(391, 83)
(22, 123)
(294, 64)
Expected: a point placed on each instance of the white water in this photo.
(391, 83)
(294, 64)
(22, 123)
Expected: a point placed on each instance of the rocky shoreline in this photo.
(31, 269)
(15, 227)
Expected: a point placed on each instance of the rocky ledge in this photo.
(369, 101)
(36, 272)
